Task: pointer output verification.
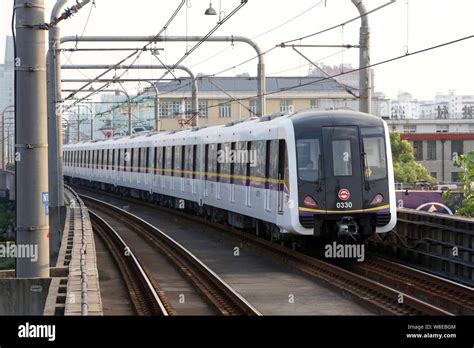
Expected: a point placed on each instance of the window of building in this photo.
(225, 110)
(411, 128)
(455, 177)
(431, 150)
(457, 147)
(169, 109)
(286, 105)
(314, 104)
(434, 175)
(203, 109)
(253, 107)
(418, 150)
(442, 128)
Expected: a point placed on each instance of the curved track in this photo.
(217, 293)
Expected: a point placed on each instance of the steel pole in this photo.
(32, 198)
(365, 78)
(55, 137)
(156, 110)
(194, 86)
(261, 98)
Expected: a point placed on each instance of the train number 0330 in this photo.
(344, 205)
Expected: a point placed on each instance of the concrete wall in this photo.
(23, 296)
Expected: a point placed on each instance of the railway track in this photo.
(453, 297)
(375, 294)
(145, 298)
(219, 295)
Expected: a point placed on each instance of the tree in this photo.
(466, 163)
(405, 168)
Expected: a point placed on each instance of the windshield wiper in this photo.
(319, 186)
(366, 171)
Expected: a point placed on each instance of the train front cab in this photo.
(343, 177)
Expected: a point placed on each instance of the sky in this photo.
(405, 26)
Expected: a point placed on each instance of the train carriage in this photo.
(326, 174)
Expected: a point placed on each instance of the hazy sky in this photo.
(407, 24)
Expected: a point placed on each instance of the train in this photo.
(322, 174)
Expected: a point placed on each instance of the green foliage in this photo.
(466, 163)
(405, 168)
(7, 264)
(7, 217)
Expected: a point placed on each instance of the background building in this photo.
(435, 142)
(7, 75)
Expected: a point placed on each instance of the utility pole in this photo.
(55, 132)
(57, 213)
(32, 198)
(365, 77)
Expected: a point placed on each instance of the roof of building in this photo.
(249, 84)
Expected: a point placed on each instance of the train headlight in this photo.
(377, 199)
(310, 202)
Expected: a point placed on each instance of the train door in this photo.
(343, 169)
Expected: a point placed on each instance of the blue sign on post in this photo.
(45, 199)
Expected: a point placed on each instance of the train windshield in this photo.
(309, 159)
(374, 148)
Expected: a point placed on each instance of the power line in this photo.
(163, 29)
(284, 89)
(339, 25)
(259, 35)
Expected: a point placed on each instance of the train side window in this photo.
(106, 159)
(183, 148)
(232, 165)
(141, 158)
(241, 167)
(144, 160)
(195, 160)
(113, 159)
(274, 159)
(133, 161)
(169, 161)
(212, 162)
(149, 153)
(256, 159)
(206, 162)
(224, 161)
(98, 159)
(268, 147)
(163, 160)
(119, 159)
(178, 170)
(218, 163)
(283, 168)
(189, 161)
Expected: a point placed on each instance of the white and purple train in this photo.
(325, 174)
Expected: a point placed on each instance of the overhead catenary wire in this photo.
(163, 29)
(338, 25)
(390, 60)
(306, 11)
